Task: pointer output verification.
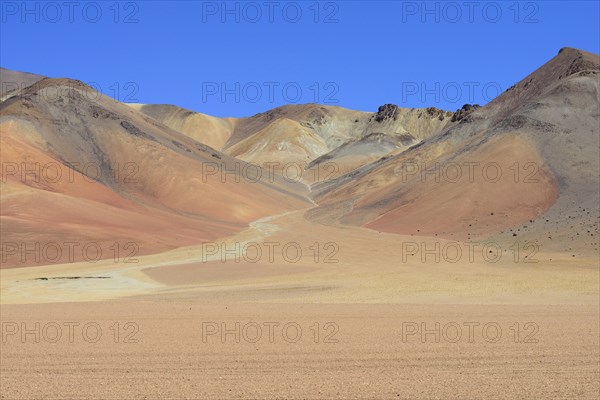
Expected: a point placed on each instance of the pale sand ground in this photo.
(368, 361)
(365, 297)
(369, 269)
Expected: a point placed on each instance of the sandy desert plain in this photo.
(307, 252)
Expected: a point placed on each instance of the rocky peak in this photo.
(386, 111)
(464, 112)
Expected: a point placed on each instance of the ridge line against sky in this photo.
(241, 58)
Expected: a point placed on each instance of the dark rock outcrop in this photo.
(464, 112)
(386, 111)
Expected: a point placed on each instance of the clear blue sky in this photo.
(246, 57)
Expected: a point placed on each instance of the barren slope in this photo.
(203, 128)
(141, 177)
(11, 82)
(328, 141)
(544, 143)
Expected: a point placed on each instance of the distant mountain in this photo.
(523, 167)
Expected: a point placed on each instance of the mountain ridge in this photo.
(352, 164)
